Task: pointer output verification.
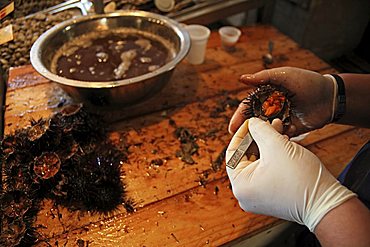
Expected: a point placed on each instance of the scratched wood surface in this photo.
(173, 208)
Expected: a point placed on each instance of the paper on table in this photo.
(6, 34)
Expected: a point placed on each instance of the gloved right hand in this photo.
(312, 99)
(288, 181)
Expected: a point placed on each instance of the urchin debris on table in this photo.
(188, 145)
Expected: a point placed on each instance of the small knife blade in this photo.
(240, 151)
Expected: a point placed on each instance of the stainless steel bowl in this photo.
(111, 93)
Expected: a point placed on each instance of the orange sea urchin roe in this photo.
(273, 104)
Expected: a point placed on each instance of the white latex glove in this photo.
(288, 181)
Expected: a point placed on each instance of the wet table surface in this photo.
(177, 204)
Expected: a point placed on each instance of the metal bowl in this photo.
(119, 92)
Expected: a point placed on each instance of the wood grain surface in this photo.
(177, 204)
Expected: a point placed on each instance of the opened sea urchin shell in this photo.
(47, 165)
(269, 102)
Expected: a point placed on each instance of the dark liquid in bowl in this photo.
(110, 56)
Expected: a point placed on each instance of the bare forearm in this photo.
(345, 225)
(358, 99)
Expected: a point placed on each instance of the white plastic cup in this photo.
(229, 36)
(199, 38)
(165, 5)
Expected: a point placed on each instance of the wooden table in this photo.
(178, 204)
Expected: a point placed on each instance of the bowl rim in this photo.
(35, 53)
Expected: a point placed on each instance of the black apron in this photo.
(356, 176)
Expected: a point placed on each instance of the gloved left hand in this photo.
(288, 181)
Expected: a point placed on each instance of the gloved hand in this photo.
(288, 181)
(312, 101)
